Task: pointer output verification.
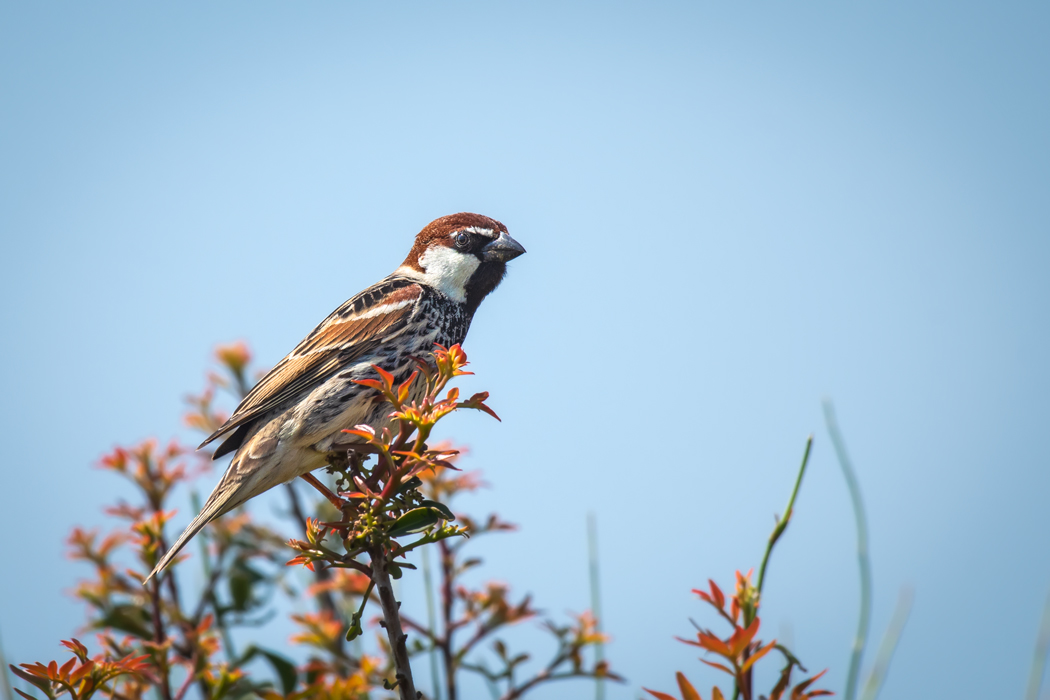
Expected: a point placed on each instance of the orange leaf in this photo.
(716, 592)
(703, 596)
(370, 383)
(67, 667)
(388, 379)
(688, 691)
(88, 666)
(742, 638)
(716, 694)
(799, 691)
(660, 696)
(712, 643)
(75, 645)
(759, 653)
(720, 667)
(402, 392)
(477, 401)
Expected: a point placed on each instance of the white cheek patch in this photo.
(448, 271)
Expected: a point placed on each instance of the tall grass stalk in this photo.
(863, 556)
(5, 686)
(428, 586)
(1042, 648)
(596, 599)
(877, 677)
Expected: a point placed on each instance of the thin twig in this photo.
(863, 557)
(181, 693)
(782, 524)
(546, 674)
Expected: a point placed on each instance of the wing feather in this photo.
(365, 322)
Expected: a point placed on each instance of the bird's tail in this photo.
(230, 492)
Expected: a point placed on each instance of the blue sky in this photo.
(756, 205)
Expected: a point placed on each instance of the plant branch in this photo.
(321, 573)
(546, 674)
(392, 622)
(158, 635)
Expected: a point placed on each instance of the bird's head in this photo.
(464, 256)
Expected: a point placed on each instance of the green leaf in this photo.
(131, 619)
(414, 483)
(284, 668)
(241, 579)
(446, 513)
(415, 520)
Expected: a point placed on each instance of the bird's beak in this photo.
(502, 249)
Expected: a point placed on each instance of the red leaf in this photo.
(660, 696)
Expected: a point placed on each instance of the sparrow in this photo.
(286, 425)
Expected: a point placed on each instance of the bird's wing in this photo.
(368, 320)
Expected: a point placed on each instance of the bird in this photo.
(286, 425)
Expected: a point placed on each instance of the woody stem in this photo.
(392, 621)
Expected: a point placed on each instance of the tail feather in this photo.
(261, 463)
(228, 494)
(194, 527)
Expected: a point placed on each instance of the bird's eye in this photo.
(462, 239)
